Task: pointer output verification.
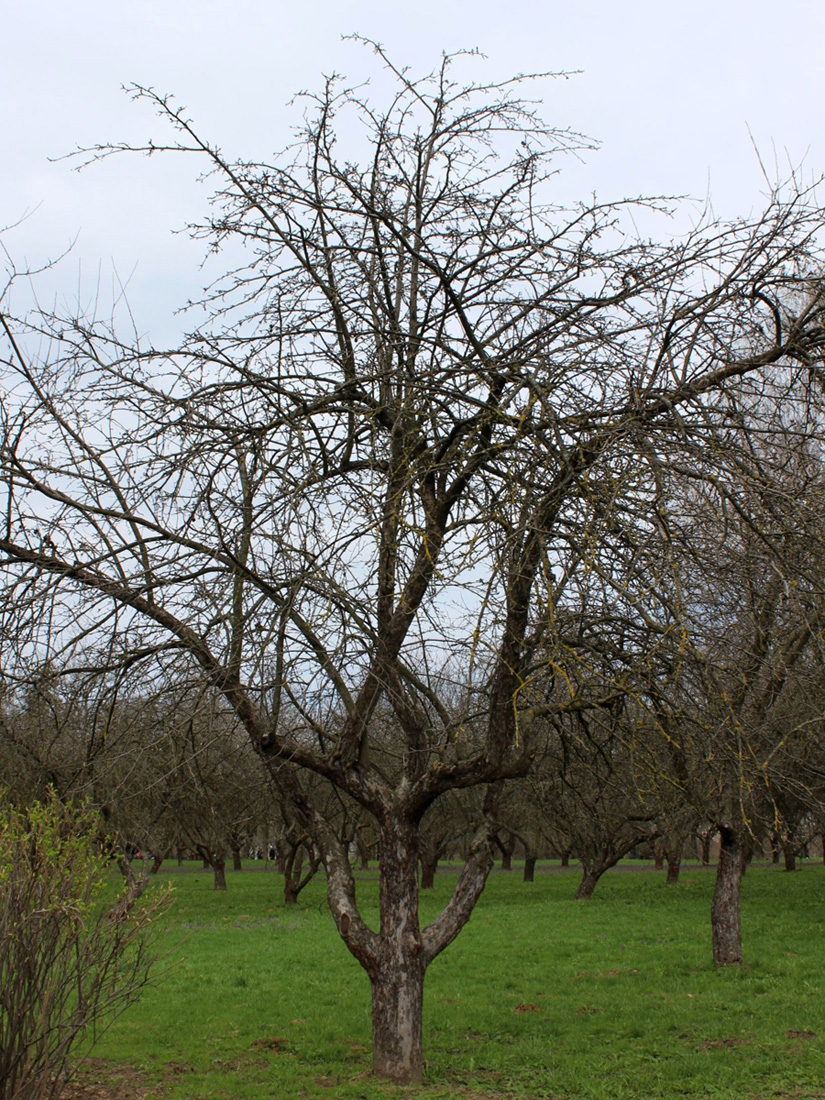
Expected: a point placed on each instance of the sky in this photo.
(680, 96)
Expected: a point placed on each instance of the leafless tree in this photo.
(747, 750)
(428, 406)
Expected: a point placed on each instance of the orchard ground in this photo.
(540, 997)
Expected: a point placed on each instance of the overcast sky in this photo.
(677, 94)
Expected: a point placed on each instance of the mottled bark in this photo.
(725, 912)
(397, 956)
(398, 979)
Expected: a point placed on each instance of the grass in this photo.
(540, 996)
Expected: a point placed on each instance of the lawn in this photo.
(540, 996)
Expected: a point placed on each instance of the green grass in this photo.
(539, 997)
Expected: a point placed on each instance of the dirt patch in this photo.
(275, 1044)
(528, 1006)
(800, 1034)
(723, 1044)
(99, 1080)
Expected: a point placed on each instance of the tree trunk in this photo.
(398, 981)
(396, 957)
(726, 907)
(157, 862)
(219, 867)
(529, 868)
(237, 864)
(429, 866)
(674, 863)
(397, 1013)
(790, 857)
(588, 884)
(506, 848)
(706, 839)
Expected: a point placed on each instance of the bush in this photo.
(68, 964)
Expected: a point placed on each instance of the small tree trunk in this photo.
(725, 911)
(237, 864)
(529, 868)
(292, 874)
(506, 847)
(790, 857)
(219, 867)
(157, 862)
(588, 883)
(565, 858)
(674, 864)
(706, 839)
(429, 866)
(658, 858)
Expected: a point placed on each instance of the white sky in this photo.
(670, 89)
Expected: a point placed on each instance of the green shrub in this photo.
(68, 963)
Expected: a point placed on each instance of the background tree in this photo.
(427, 405)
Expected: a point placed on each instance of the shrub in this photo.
(68, 964)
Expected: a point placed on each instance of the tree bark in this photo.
(237, 864)
(588, 883)
(157, 862)
(219, 867)
(725, 912)
(429, 866)
(529, 868)
(705, 844)
(398, 979)
(674, 864)
(790, 857)
(506, 847)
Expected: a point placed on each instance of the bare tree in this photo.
(426, 407)
(749, 742)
